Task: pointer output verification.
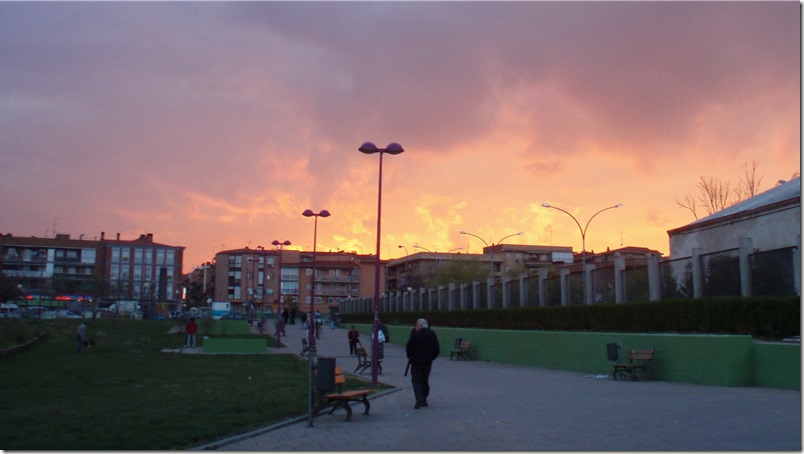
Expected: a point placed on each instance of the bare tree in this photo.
(748, 186)
(715, 194)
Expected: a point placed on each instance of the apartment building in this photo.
(99, 271)
(419, 269)
(256, 280)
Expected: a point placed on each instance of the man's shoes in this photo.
(417, 406)
(424, 404)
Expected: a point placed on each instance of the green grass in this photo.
(128, 395)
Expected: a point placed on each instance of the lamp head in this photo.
(307, 213)
(618, 205)
(368, 148)
(324, 214)
(463, 232)
(394, 148)
(546, 205)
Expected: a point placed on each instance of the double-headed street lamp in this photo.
(583, 230)
(587, 293)
(369, 148)
(311, 325)
(491, 261)
(279, 284)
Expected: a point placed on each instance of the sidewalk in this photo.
(481, 406)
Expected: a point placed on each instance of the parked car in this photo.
(48, 315)
(67, 314)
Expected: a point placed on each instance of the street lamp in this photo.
(406, 249)
(587, 294)
(393, 148)
(456, 249)
(310, 332)
(420, 247)
(279, 284)
(583, 230)
(491, 261)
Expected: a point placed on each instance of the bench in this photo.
(306, 350)
(461, 351)
(363, 360)
(639, 359)
(341, 399)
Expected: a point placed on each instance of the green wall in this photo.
(720, 360)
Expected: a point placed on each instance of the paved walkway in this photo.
(482, 406)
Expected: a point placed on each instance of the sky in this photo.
(214, 125)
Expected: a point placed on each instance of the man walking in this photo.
(422, 349)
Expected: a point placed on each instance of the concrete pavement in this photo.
(489, 407)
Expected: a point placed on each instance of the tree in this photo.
(715, 194)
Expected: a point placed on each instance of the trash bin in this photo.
(325, 377)
(612, 351)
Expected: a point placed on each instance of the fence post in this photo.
(475, 294)
(588, 285)
(619, 267)
(654, 282)
(451, 297)
(506, 292)
(797, 265)
(523, 290)
(697, 273)
(746, 248)
(463, 304)
(489, 292)
(542, 287)
(565, 288)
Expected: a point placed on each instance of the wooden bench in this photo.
(306, 350)
(462, 351)
(639, 360)
(342, 399)
(363, 360)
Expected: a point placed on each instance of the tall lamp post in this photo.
(422, 247)
(491, 261)
(279, 284)
(311, 325)
(369, 148)
(587, 294)
(584, 229)
(403, 247)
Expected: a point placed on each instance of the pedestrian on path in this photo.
(354, 337)
(190, 330)
(79, 337)
(422, 349)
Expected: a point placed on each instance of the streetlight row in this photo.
(392, 149)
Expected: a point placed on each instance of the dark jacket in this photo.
(422, 346)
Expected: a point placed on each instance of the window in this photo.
(138, 255)
(235, 261)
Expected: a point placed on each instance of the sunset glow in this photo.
(215, 125)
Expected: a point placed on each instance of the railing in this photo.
(741, 272)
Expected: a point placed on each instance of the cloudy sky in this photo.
(214, 125)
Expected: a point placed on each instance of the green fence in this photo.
(720, 360)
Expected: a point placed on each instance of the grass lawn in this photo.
(128, 395)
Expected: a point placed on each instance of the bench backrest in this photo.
(641, 353)
(361, 353)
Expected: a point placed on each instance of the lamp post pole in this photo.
(587, 294)
(279, 283)
(393, 149)
(406, 249)
(311, 325)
